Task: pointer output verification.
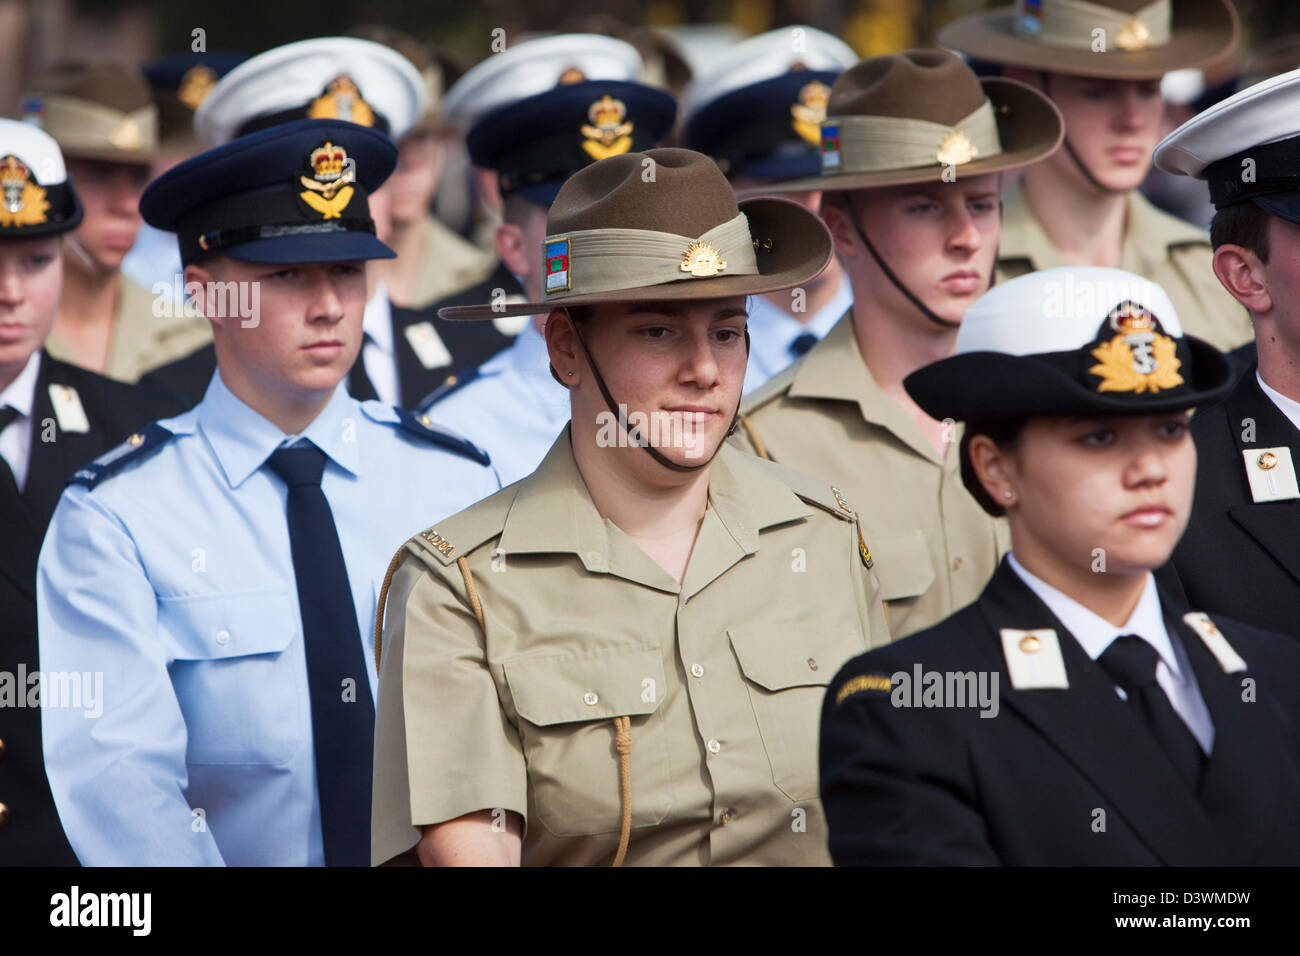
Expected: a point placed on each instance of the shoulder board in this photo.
(450, 385)
(458, 535)
(769, 391)
(138, 446)
(421, 427)
(815, 491)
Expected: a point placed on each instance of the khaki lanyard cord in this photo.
(622, 725)
(759, 448)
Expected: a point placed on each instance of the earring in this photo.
(1006, 494)
(570, 374)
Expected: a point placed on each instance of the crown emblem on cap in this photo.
(607, 135)
(1139, 358)
(701, 260)
(1133, 36)
(342, 100)
(956, 149)
(328, 191)
(195, 85)
(24, 202)
(809, 112)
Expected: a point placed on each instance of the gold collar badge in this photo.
(24, 202)
(196, 84)
(810, 111)
(607, 135)
(342, 100)
(1139, 358)
(956, 149)
(702, 260)
(328, 191)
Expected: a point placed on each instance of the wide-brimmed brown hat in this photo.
(924, 116)
(1118, 39)
(660, 225)
(100, 111)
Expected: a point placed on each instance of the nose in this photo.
(124, 194)
(1128, 107)
(699, 363)
(326, 306)
(963, 233)
(1147, 468)
(11, 288)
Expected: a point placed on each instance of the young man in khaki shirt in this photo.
(916, 226)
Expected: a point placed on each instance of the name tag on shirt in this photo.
(1271, 474)
(428, 345)
(67, 409)
(1034, 660)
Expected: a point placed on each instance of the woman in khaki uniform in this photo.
(621, 657)
(1101, 65)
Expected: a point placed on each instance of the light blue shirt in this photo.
(773, 329)
(172, 578)
(513, 409)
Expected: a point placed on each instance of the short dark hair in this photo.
(1003, 432)
(1241, 224)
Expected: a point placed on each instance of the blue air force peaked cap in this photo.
(292, 193)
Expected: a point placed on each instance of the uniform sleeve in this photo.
(895, 782)
(443, 745)
(116, 763)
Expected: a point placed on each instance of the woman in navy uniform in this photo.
(1075, 714)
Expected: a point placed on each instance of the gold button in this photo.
(1267, 461)
(4, 814)
(812, 664)
(426, 421)
(590, 699)
(135, 440)
(726, 817)
(957, 563)
(1030, 644)
(451, 380)
(697, 670)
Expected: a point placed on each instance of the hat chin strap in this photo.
(1074, 157)
(921, 307)
(635, 438)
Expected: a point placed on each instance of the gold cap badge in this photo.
(607, 135)
(1133, 36)
(809, 112)
(342, 100)
(23, 203)
(195, 86)
(702, 260)
(328, 191)
(1139, 358)
(956, 149)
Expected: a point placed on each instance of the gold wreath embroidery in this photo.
(342, 101)
(328, 192)
(23, 202)
(810, 111)
(608, 135)
(956, 149)
(1118, 366)
(702, 260)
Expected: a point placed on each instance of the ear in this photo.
(836, 215)
(1243, 275)
(510, 248)
(197, 279)
(996, 472)
(563, 349)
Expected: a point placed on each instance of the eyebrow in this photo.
(676, 310)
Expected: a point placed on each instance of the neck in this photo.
(1276, 346)
(1086, 227)
(9, 373)
(89, 293)
(667, 505)
(1111, 596)
(818, 294)
(289, 411)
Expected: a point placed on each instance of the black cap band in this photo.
(1265, 170)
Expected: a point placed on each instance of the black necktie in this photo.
(359, 385)
(802, 343)
(342, 723)
(1131, 663)
(8, 484)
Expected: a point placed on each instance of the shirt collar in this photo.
(1093, 632)
(242, 439)
(789, 328)
(377, 320)
(20, 394)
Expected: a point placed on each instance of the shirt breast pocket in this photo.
(242, 688)
(904, 570)
(787, 667)
(567, 707)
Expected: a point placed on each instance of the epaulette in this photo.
(829, 498)
(450, 385)
(458, 535)
(139, 445)
(863, 683)
(422, 427)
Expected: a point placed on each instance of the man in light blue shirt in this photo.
(217, 606)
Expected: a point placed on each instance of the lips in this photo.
(1148, 516)
(13, 331)
(962, 282)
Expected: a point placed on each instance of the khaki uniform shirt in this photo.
(723, 676)
(139, 340)
(934, 547)
(450, 265)
(1157, 246)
